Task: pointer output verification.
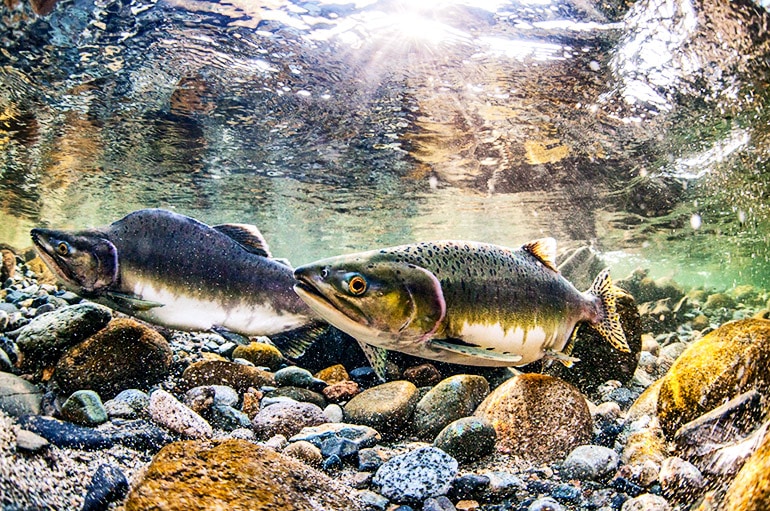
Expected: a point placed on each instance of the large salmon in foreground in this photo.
(460, 302)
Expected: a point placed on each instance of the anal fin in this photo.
(475, 351)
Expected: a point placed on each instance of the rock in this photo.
(363, 436)
(227, 418)
(750, 489)
(423, 375)
(646, 502)
(719, 301)
(169, 412)
(723, 364)
(29, 441)
(286, 418)
(545, 504)
(333, 374)
(199, 399)
(298, 394)
(128, 404)
(438, 504)
(590, 462)
(334, 412)
(467, 439)
(537, 417)
(234, 474)
(84, 407)
(599, 361)
(680, 480)
(343, 448)
(468, 486)
(503, 484)
(18, 396)
(7, 265)
(44, 339)
(374, 501)
(386, 408)
(305, 452)
(222, 372)
(108, 485)
(294, 376)
(453, 398)
(417, 475)
(341, 391)
(369, 460)
(125, 354)
(251, 402)
(260, 354)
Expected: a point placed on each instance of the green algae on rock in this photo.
(726, 362)
(236, 475)
(538, 417)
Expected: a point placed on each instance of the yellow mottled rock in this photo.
(236, 475)
(260, 354)
(333, 374)
(538, 417)
(728, 361)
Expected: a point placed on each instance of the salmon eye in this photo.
(63, 248)
(357, 285)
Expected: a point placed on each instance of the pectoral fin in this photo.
(131, 302)
(474, 351)
(377, 357)
(561, 357)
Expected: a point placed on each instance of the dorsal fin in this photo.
(545, 250)
(247, 236)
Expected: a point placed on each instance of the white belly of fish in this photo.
(189, 313)
(530, 345)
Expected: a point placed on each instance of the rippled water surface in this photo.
(640, 129)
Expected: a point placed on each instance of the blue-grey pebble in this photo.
(18, 397)
(342, 447)
(293, 376)
(128, 404)
(417, 475)
(467, 439)
(373, 501)
(590, 462)
(370, 460)
(108, 485)
(227, 418)
(566, 493)
(332, 464)
(545, 504)
(84, 407)
(440, 503)
(363, 436)
(468, 486)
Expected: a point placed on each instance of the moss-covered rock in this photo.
(538, 417)
(726, 362)
(235, 475)
(260, 354)
(750, 490)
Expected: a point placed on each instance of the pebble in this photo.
(334, 413)
(169, 412)
(417, 475)
(469, 486)
(545, 504)
(423, 375)
(333, 374)
(341, 392)
(299, 394)
(222, 372)
(362, 436)
(18, 397)
(293, 376)
(386, 408)
(451, 399)
(646, 502)
(467, 439)
(227, 418)
(369, 460)
(84, 407)
(679, 478)
(372, 500)
(304, 451)
(129, 404)
(260, 354)
(438, 504)
(590, 462)
(286, 418)
(108, 485)
(344, 449)
(29, 441)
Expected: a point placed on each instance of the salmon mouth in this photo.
(45, 251)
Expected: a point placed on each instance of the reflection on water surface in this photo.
(641, 130)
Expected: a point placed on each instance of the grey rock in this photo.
(5, 362)
(129, 404)
(29, 441)
(363, 436)
(169, 412)
(225, 395)
(85, 408)
(467, 439)
(334, 413)
(679, 478)
(646, 502)
(545, 504)
(438, 504)
(372, 500)
(417, 475)
(451, 399)
(227, 418)
(3, 320)
(503, 484)
(19, 397)
(286, 418)
(592, 462)
(370, 459)
(386, 408)
(294, 376)
(46, 337)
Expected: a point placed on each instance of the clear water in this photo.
(336, 127)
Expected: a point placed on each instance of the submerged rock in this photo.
(417, 475)
(234, 475)
(750, 490)
(386, 408)
(84, 407)
(169, 412)
(538, 417)
(467, 439)
(260, 354)
(109, 484)
(453, 398)
(286, 418)
(19, 397)
(222, 372)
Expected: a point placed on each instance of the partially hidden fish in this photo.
(172, 270)
(459, 302)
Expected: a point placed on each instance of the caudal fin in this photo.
(609, 321)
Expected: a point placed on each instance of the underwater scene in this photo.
(379, 255)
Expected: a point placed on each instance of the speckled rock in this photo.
(341, 391)
(167, 411)
(386, 408)
(128, 404)
(222, 372)
(467, 439)
(333, 374)
(416, 475)
(646, 502)
(18, 396)
(363, 436)
(84, 407)
(537, 417)
(235, 475)
(305, 452)
(679, 479)
(750, 489)
(260, 354)
(43, 340)
(726, 362)
(453, 398)
(591, 462)
(126, 354)
(286, 418)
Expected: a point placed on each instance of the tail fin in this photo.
(608, 324)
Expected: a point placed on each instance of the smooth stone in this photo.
(591, 462)
(299, 394)
(417, 475)
(680, 479)
(333, 374)
(468, 486)
(423, 375)
(125, 354)
(19, 397)
(373, 501)
(386, 408)
(503, 484)
(234, 474)
(537, 417)
(451, 399)
(199, 399)
(169, 412)
(129, 404)
(305, 452)
(467, 439)
(85, 408)
(545, 504)
(440, 503)
(342, 391)
(108, 485)
(718, 367)
(293, 376)
(646, 502)
(227, 418)
(363, 436)
(286, 418)
(334, 413)
(44, 339)
(365, 377)
(29, 441)
(222, 372)
(260, 354)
